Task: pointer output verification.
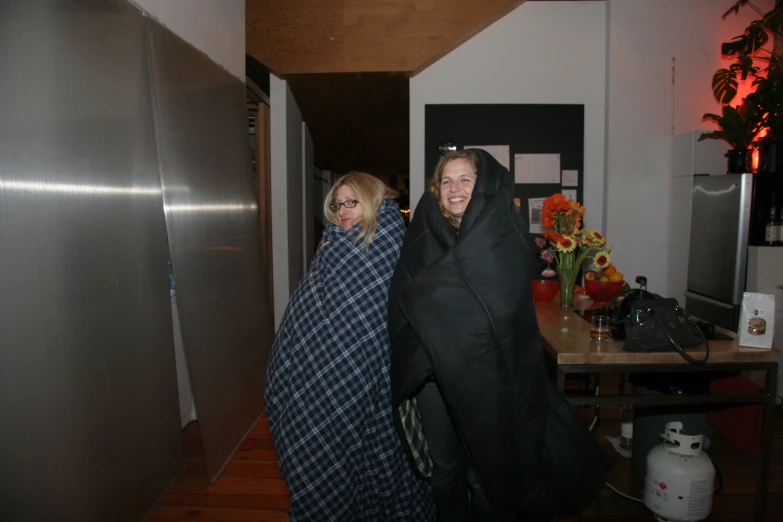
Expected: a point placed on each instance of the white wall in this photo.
(662, 55)
(287, 189)
(542, 52)
(215, 27)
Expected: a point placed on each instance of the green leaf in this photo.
(735, 46)
(756, 36)
(745, 66)
(715, 118)
(714, 135)
(735, 8)
(773, 20)
(738, 126)
(724, 85)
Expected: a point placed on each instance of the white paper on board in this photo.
(502, 153)
(570, 178)
(537, 168)
(534, 214)
(569, 193)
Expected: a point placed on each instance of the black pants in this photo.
(455, 486)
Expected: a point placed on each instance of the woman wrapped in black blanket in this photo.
(327, 390)
(471, 399)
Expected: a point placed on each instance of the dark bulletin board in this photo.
(527, 129)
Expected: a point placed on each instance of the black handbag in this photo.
(660, 325)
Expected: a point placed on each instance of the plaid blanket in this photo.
(328, 388)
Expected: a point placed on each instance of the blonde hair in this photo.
(370, 192)
(434, 185)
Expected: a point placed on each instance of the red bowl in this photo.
(603, 291)
(544, 290)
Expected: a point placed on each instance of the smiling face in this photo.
(348, 216)
(456, 186)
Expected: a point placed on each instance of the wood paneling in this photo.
(341, 39)
(326, 36)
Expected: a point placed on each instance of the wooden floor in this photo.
(252, 489)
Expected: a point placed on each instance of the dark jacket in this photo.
(461, 310)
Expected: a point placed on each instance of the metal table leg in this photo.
(767, 434)
(561, 380)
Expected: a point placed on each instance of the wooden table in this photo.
(566, 339)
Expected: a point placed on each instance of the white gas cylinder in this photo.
(680, 478)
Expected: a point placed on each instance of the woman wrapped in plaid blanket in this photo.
(328, 388)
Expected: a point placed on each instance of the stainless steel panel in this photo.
(89, 425)
(716, 312)
(212, 218)
(720, 217)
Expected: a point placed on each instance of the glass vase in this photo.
(567, 282)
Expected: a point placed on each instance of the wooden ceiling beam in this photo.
(338, 36)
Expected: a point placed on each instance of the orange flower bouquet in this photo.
(567, 245)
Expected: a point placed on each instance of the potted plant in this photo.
(738, 126)
(757, 56)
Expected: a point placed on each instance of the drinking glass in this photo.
(600, 330)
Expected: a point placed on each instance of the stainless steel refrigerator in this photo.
(717, 262)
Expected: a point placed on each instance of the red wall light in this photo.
(755, 158)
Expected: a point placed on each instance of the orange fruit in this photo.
(609, 270)
(603, 278)
(616, 276)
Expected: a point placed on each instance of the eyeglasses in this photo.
(349, 203)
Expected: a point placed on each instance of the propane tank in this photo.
(680, 478)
